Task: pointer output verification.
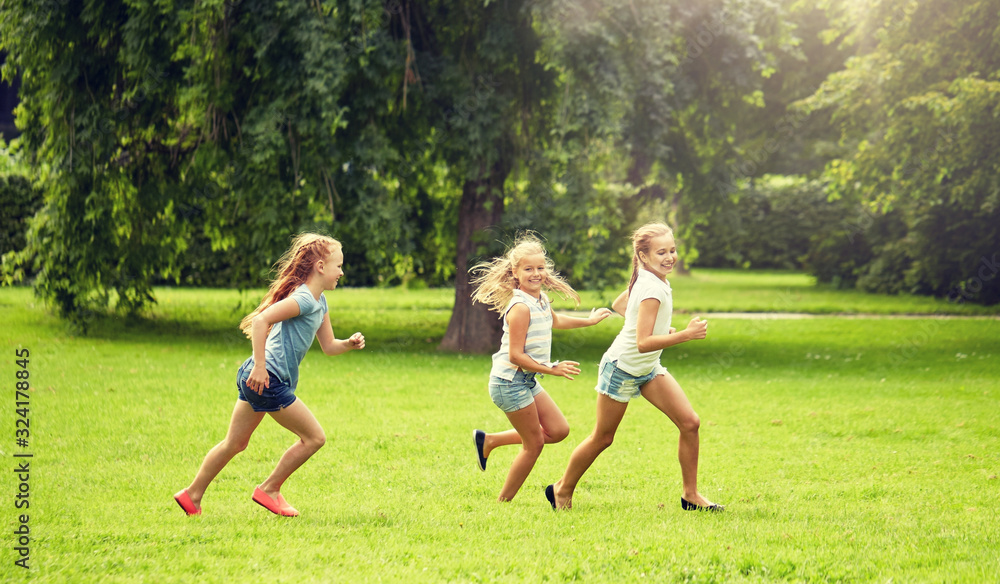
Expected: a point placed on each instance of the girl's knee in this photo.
(558, 434)
(533, 443)
(603, 441)
(690, 424)
(235, 446)
(316, 442)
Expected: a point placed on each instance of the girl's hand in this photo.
(697, 328)
(259, 379)
(566, 369)
(356, 341)
(671, 331)
(599, 314)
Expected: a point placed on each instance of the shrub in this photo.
(20, 200)
(770, 226)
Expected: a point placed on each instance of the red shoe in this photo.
(276, 507)
(184, 500)
(286, 509)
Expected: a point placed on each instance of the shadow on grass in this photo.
(389, 331)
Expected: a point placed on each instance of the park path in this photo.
(809, 315)
(806, 315)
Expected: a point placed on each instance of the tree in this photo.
(920, 104)
(161, 131)
(611, 110)
(480, 89)
(150, 126)
(657, 98)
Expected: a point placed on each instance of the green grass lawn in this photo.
(845, 449)
(741, 290)
(712, 290)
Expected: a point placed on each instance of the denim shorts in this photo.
(515, 394)
(277, 396)
(620, 385)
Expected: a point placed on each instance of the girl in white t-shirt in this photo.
(631, 367)
(514, 285)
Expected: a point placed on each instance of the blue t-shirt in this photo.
(289, 340)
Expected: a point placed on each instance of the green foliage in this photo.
(649, 96)
(920, 105)
(185, 142)
(847, 249)
(836, 255)
(886, 273)
(770, 225)
(136, 118)
(19, 199)
(730, 50)
(776, 138)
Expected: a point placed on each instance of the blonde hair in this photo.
(495, 281)
(293, 268)
(641, 239)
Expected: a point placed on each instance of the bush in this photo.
(836, 255)
(887, 272)
(769, 227)
(956, 252)
(940, 251)
(19, 201)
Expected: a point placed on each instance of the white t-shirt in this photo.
(625, 348)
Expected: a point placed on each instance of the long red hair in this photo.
(293, 268)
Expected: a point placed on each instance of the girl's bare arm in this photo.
(518, 320)
(648, 342)
(331, 345)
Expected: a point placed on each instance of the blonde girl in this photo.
(631, 367)
(514, 286)
(281, 329)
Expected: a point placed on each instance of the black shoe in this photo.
(689, 506)
(550, 494)
(479, 439)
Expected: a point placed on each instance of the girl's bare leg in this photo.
(527, 424)
(609, 416)
(241, 427)
(666, 394)
(555, 428)
(300, 421)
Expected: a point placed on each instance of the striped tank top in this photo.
(538, 342)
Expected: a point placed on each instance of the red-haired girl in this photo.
(281, 329)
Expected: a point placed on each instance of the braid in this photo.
(293, 270)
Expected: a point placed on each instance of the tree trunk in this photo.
(676, 212)
(474, 328)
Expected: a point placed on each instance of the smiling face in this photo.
(332, 269)
(661, 256)
(531, 273)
